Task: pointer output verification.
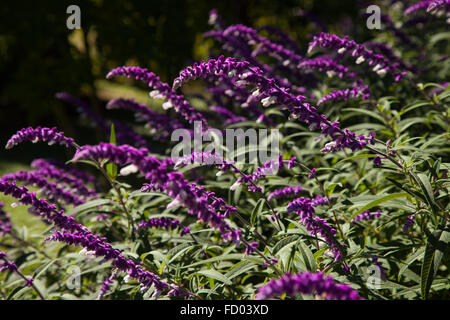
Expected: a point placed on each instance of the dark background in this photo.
(39, 56)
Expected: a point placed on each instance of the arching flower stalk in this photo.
(160, 90)
(307, 283)
(380, 64)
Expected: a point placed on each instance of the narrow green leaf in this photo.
(111, 168)
(257, 211)
(215, 275)
(374, 203)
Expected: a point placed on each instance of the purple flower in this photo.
(6, 265)
(250, 36)
(377, 161)
(5, 222)
(429, 5)
(42, 207)
(52, 190)
(331, 67)
(307, 283)
(230, 116)
(124, 133)
(346, 94)
(161, 90)
(54, 165)
(367, 215)
(285, 192)
(51, 136)
(84, 109)
(196, 199)
(380, 64)
(106, 284)
(265, 264)
(409, 222)
(100, 248)
(316, 226)
(159, 124)
(319, 201)
(251, 248)
(167, 223)
(268, 92)
(270, 167)
(29, 282)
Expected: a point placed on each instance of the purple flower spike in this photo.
(379, 64)
(409, 222)
(159, 124)
(6, 265)
(161, 90)
(5, 222)
(52, 190)
(428, 5)
(367, 215)
(307, 283)
(50, 135)
(329, 66)
(346, 94)
(285, 192)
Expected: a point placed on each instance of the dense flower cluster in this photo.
(196, 199)
(409, 222)
(159, 124)
(49, 135)
(51, 189)
(367, 215)
(160, 90)
(268, 93)
(6, 265)
(379, 64)
(167, 223)
(5, 222)
(428, 5)
(345, 94)
(285, 192)
(316, 226)
(307, 283)
(50, 165)
(330, 66)
(124, 133)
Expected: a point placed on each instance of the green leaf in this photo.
(425, 185)
(111, 168)
(417, 255)
(215, 275)
(88, 205)
(257, 211)
(426, 272)
(308, 257)
(376, 202)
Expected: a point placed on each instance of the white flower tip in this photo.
(235, 186)
(167, 105)
(125, 171)
(174, 203)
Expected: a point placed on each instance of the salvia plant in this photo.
(355, 204)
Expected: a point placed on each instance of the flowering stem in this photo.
(322, 189)
(20, 274)
(105, 174)
(264, 197)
